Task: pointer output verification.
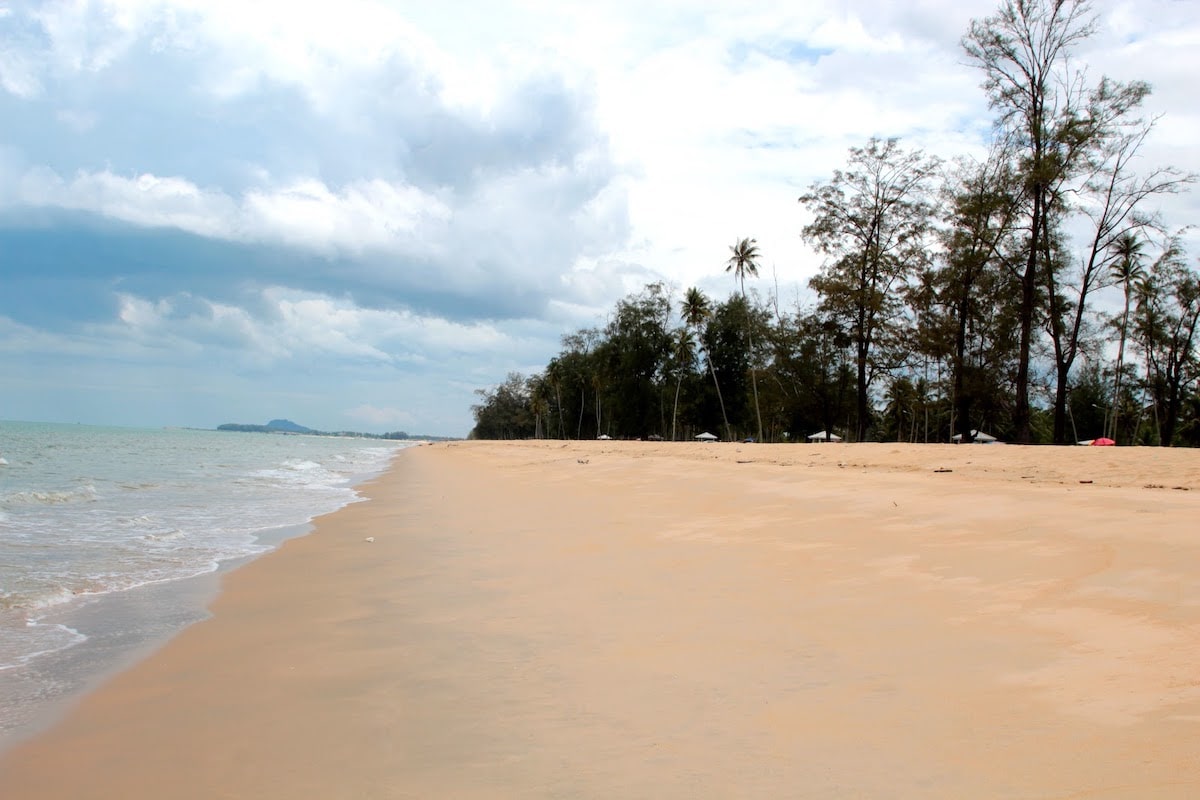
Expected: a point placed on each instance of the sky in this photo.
(355, 215)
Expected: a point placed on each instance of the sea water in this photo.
(106, 532)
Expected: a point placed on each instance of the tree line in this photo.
(954, 296)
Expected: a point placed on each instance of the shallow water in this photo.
(107, 534)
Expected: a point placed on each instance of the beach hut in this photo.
(824, 436)
(705, 437)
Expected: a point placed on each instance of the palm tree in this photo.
(695, 310)
(1128, 271)
(539, 403)
(743, 262)
(540, 408)
(597, 386)
(683, 356)
(554, 376)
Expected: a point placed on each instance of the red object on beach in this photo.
(1103, 441)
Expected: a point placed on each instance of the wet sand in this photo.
(621, 620)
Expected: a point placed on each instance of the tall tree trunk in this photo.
(1171, 420)
(1060, 405)
(753, 370)
(1116, 404)
(1022, 432)
(754, 381)
(962, 395)
(721, 400)
(1062, 355)
(862, 411)
(562, 429)
(582, 406)
(675, 410)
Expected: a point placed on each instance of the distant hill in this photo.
(287, 425)
(274, 426)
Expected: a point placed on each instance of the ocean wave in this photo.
(167, 536)
(45, 599)
(83, 494)
(82, 588)
(163, 508)
(18, 647)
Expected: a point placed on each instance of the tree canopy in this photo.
(956, 294)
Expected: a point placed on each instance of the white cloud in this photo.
(364, 215)
(378, 417)
(717, 113)
(146, 199)
(17, 75)
(280, 325)
(535, 163)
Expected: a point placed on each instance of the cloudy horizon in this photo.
(215, 211)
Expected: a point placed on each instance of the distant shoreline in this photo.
(294, 429)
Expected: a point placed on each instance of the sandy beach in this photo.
(637, 620)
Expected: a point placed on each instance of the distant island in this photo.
(287, 426)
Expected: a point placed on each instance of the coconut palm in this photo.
(685, 345)
(695, 310)
(1127, 270)
(554, 377)
(598, 387)
(743, 262)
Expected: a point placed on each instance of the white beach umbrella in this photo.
(979, 437)
(706, 437)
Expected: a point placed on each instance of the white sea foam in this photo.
(148, 507)
(101, 526)
(40, 602)
(167, 536)
(18, 647)
(82, 494)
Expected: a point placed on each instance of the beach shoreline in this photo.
(620, 619)
(123, 629)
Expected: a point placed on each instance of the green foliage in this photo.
(743, 262)
(1168, 318)
(872, 221)
(505, 411)
(947, 302)
(635, 361)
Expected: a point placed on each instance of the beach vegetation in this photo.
(743, 262)
(696, 312)
(1168, 314)
(1127, 271)
(872, 222)
(505, 411)
(1023, 52)
(1033, 291)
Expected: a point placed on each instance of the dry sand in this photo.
(628, 620)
